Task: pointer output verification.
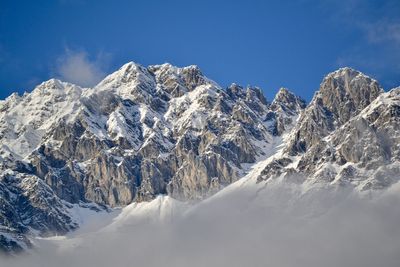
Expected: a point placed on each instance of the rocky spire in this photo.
(342, 95)
(286, 101)
(346, 92)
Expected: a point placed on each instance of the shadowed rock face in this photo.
(29, 204)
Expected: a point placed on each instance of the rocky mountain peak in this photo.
(254, 92)
(342, 95)
(193, 77)
(54, 89)
(127, 80)
(249, 93)
(236, 91)
(283, 111)
(10, 101)
(287, 102)
(129, 68)
(178, 81)
(53, 84)
(346, 92)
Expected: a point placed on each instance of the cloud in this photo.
(280, 227)
(76, 67)
(383, 31)
(374, 31)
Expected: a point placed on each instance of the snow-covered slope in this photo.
(25, 119)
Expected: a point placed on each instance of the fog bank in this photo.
(278, 226)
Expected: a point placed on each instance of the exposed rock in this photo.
(361, 150)
(342, 95)
(284, 110)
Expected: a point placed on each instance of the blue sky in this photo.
(263, 43)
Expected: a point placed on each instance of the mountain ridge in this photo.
(146, 131)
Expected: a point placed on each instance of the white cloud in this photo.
(377, 25)
(76, 67)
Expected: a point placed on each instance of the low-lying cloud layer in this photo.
(278, 227)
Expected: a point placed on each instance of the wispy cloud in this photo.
(77, 67)
(383, 31)
(374, 29)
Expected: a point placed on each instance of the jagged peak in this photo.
(347, 74)
(242, 91)
(287, 100)
(255, 91)
(253, 88)
(348, 81)
(236, 91)
(344, 70)
(51, 84)
(129, 65)
(194, 69)
(236, 88)
(172, 68)
(343, 94)
(55, 87)
(133, 67)
(283, 93)
(235, 85)
(130, 72)
(284, 90)
(178, 80)
(247, 93)
(130, 68)
(13, 97)
(159, 67)
(347, 86)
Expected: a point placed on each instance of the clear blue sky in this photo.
(263, 43)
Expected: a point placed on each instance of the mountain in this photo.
(163, 130)
(347, 135)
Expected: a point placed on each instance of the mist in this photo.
(281, 225)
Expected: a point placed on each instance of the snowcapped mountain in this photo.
(347, 135)
(143, 132)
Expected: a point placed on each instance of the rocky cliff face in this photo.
(148, 131)
(342, 95)
(145, 131)
(347, 135)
